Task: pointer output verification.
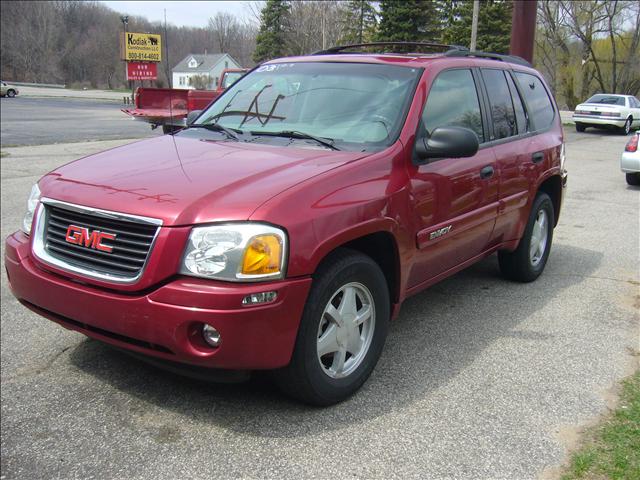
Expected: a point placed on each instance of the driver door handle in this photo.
(486, 172)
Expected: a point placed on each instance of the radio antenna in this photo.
(166, 55)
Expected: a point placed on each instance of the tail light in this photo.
(610, 114)
(632, 144)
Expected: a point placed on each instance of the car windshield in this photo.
(354, 106)
(230, 78)
(607, 100)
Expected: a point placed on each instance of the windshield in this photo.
(230, 78)
(606, 100)
(357, 106)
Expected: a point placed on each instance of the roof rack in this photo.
(342, 48)
(492, 56)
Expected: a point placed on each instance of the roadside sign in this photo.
(142, 71)
(141, 47)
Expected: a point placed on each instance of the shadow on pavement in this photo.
(438, 333)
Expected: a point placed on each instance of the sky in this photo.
(181, 13)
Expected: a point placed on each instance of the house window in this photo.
(182, 81)
(193, 63)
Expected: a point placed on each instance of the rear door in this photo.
(454, 200)
(522, 113)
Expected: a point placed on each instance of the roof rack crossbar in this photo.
(341, 48)
(493, 56)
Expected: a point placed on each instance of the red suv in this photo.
(285, 226)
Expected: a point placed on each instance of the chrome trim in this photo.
(101, 213)
(39, 250)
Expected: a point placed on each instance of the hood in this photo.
(194, 181)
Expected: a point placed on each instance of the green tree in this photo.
(494, 24)
(408, 21)
(360, 22)
(271, 41)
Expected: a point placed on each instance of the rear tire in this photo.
(527, 262)
(626, 129)
(633, 179)
(334, 354)
(11, 93)
(580, 127)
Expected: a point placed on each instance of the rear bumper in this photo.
(597, 120)
(165, 322)
(630, 162)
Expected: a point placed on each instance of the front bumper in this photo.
(598, 120)
(164, 322)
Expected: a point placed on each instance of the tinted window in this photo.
(453, 101)
(539, 105)
(607, 100)
(504, 118)
(521, 118)
(360, 106)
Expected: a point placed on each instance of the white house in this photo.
(194, 65)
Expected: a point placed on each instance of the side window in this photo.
(538, 102)
(521, 117)
(636, 102)
(453, 101)
(504, 118)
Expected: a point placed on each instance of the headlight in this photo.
(32, 203)
(241, 252)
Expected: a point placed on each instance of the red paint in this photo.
(142, 71)
(322, 198)
(81, 236)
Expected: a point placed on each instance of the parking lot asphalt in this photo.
(480, 377)
(41, 121)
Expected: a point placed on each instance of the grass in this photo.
(612, 448)
(3, 154)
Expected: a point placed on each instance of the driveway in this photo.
(480, 377)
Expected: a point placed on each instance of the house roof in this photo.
(205, 62)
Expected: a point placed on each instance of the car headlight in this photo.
(32, 204)
(239, 252)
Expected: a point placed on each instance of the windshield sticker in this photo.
(274, 68)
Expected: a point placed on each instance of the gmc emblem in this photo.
(81, 236)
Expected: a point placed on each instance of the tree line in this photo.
(581, 46)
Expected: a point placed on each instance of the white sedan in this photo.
(630, 160)
(608, 110)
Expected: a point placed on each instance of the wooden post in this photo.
(523, 28)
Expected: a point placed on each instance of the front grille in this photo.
(131, 246)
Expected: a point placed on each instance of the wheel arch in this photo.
(552, 186)
(380, 244)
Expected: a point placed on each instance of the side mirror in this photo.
(447, 142)
(192, 115)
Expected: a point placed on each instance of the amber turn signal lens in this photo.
(262, 256)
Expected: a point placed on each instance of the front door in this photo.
(454, 200)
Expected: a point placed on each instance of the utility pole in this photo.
(125, 22)
(474, 24)
(523, 28)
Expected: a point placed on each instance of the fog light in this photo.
(210, 335)
(257, 298)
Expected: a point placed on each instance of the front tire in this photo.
(527, 262)
(342, 331)
(580, 127)
(626, 129)
(633, 179)
(11, 93)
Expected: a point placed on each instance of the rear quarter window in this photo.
(539, 104)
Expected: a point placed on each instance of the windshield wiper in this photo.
(216, 127)
(327, 142)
